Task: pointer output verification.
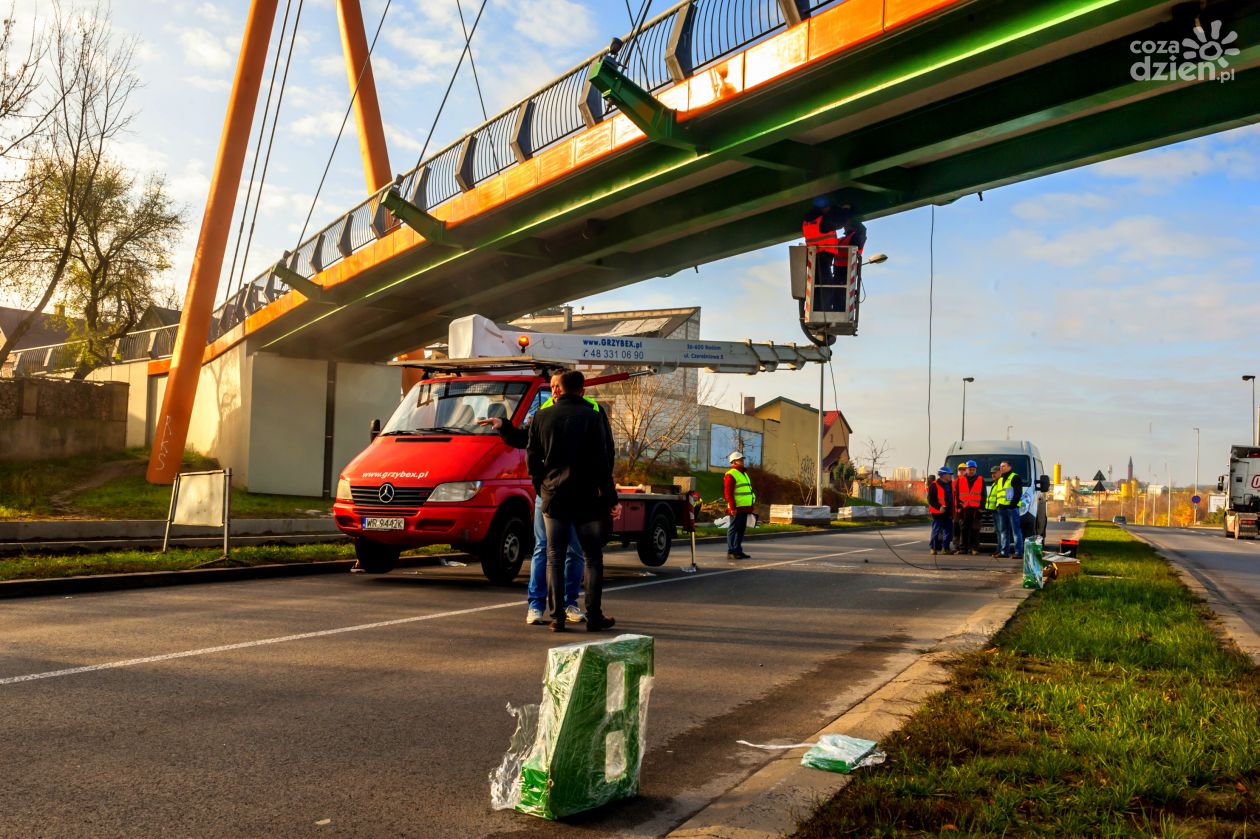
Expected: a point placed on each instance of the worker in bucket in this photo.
(941, 506)
(535, 612)
(740, 502)
(570, 455)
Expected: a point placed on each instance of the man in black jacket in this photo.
(570, 456)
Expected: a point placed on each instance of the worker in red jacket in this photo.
(940, 498)
(740, 500)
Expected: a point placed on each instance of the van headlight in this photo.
(454, 492)
(343, 490)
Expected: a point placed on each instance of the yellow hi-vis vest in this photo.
(1002, 484)
(551, 400)
(995, 495)
(744, 495)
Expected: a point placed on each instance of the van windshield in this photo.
(453, 407)
(1019, 464)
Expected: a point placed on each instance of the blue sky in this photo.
(1104, 312)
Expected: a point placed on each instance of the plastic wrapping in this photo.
(841, 753)
(582, 747)
(1034, 574)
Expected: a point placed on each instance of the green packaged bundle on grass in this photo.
(583, 745)
(841, 753)
(1034, 574)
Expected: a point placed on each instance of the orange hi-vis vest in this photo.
(969, 491)
(936, 499)
(825, 242)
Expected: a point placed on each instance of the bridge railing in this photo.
(60, 358)
(669, 48)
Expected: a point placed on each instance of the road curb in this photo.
(776, 799)
(152, 579)
(1230, 625)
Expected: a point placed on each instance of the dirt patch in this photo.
(107, 472)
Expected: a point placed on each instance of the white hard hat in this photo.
(736, 456)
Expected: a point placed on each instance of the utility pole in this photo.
(822, 369)
(963, 435)
(1008, 431)
(1252, 379)
(1168, 476)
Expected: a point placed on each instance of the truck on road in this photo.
(432, 475)
(1242, 489)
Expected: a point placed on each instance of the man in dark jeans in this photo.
(570, 455)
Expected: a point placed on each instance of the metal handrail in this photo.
(158, 342)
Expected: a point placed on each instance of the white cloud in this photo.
(1140, 239)
(1060, 206)
(321, 124)
(202, 49)
(214, 14)
(1179, 163)
(554, 23)
(212, 84)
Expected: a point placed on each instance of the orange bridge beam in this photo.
(367, 109)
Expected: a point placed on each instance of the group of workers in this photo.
(955, 507)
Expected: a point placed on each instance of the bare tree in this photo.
(876, 454)
(806, 477)
(89, 80)
(653, 415)
(123, 241)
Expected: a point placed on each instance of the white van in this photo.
(1026, 461)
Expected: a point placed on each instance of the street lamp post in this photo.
(966, 379)
(1252, 379)
(1196, 475)
(1008, 431)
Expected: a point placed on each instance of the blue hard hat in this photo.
(822, 201)
(944, 470)
(971, 464)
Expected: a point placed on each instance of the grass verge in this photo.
(40, 566)
(1107, 707)
(27, 489)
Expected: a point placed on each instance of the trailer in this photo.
(1242, 489)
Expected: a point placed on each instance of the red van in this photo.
(433, 476)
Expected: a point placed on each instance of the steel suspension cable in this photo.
(271, 139)
(451, 83)
(477, 81)
(253, 169)
(345, 117)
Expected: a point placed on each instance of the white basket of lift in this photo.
(830, 307)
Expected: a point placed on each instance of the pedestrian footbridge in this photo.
(729, 116)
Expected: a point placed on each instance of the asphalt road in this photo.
(1230, 568)
(376, 706)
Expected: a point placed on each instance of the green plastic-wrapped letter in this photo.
(583, 745)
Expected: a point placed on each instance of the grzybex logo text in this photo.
(1205, 57)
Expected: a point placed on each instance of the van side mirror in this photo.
(1043, 483)
(375, 430)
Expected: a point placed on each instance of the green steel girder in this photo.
(312, 291)
(654, 119)
(432, 229)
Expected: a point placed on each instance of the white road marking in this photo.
(243, 645)
(903, 544)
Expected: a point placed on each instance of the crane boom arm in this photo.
(476, 337)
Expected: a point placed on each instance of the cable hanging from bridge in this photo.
(271, 139)
(494, 153)
(455, 73)
(232, 284)
(632, 39)
(367, 60)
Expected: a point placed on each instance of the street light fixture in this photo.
(1008, 431)
(1252, 379)
(876, 259)
(966, 380)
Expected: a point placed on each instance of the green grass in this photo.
(1107, 707)
(26, 489)
(39, 566)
